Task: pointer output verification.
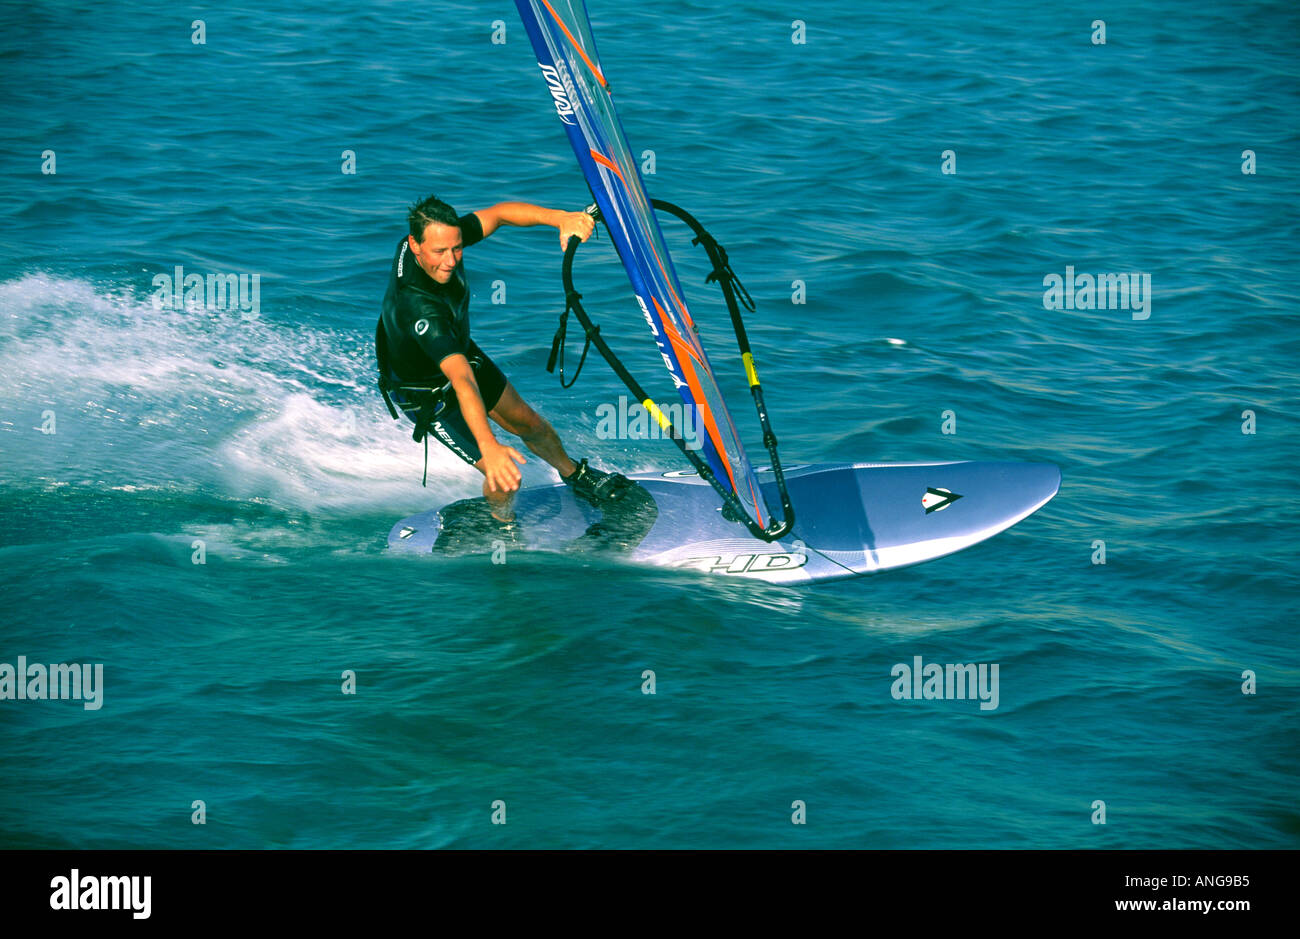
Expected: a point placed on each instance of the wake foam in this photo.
(200, 400)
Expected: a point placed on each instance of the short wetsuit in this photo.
(424, 322)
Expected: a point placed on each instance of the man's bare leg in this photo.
(515, 415)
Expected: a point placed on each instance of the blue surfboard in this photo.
(852, 519)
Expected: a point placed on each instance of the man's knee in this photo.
(530, 425)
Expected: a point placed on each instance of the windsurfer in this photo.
(431, 368)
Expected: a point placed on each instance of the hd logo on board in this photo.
(747, 563)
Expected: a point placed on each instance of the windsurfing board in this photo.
(851, 519)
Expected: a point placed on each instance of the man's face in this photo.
(439, 252)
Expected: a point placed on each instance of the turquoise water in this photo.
(256, 438)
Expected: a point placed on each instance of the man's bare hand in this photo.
(575, 223)
(502, 474)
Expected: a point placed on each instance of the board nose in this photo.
(873, 517)
(1041, 481)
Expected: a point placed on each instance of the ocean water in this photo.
(136, 440)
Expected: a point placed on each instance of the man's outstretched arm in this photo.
(501, 472)
(524, 214)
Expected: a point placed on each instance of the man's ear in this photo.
(413, 244)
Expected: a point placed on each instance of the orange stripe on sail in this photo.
(710, 425)
(590, 64)
(678, 341)
(702, 405)
(608, 164)
(669, 281)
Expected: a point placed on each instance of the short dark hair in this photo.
(427, 211)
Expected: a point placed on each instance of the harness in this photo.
(422, 402)
(423, 406)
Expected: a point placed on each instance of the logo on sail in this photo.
(556, 82)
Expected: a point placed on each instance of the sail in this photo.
(566, 53)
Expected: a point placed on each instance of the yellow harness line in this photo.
(657, 414)
(749, 369)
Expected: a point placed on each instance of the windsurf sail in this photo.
(566, 53)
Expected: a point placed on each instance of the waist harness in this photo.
(422, 401)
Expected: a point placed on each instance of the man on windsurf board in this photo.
(440, 378)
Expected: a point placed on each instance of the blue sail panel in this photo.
(566, 54)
